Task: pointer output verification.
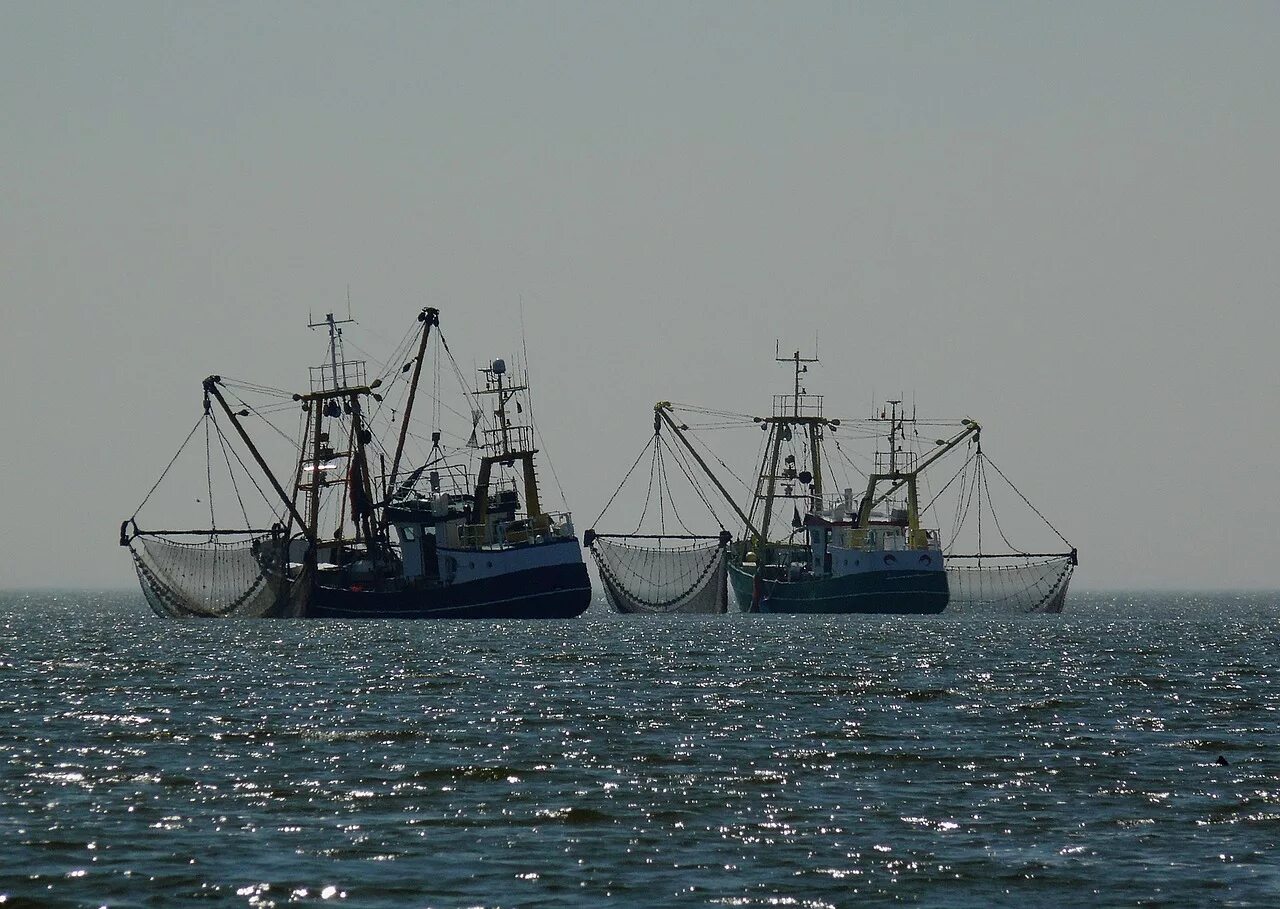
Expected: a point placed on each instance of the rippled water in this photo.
(733, 760)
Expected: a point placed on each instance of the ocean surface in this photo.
(692, 761)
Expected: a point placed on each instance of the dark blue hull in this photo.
(873, 592)
(551, 592)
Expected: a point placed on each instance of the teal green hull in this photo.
(877, 592)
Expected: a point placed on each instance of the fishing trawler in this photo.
(839, 555)
(842, 558)
(437, 541)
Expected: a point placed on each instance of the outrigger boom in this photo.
(211, 388)
(662, 410)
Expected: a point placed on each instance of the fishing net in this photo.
(662, 579)
(1007, 584)
(243, 578)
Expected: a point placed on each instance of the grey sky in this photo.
(1060, 219)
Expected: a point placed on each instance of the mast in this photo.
(513, 443)
(893, 436)
(428, 317)
(313, 501)
(797, 410)
(322, 404)
(336, 387)
(770, 479)
(815, 445)
(359, 488)
(335, 341)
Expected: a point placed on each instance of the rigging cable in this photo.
(707, 448)
(208, 467)
(686, 469)
(657, 461)
(222, 443)
(258, 413)
(986, 485)
(963, 504)
(962, 469)
(648, 493)
(624, 479)
(169, 466)
(1024, 499)
(247, 472)
(524, 348)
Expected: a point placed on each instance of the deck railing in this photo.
(520, 531)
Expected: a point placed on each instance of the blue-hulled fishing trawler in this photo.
(463, 534)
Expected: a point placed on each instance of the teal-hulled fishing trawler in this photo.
(835, 554)
(873, 557)
(835, 557)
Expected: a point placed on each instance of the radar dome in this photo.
(499, 367)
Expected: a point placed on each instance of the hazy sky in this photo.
(1061, 219)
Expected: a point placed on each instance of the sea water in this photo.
(1122, 753)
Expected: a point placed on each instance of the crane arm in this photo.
(662, 410)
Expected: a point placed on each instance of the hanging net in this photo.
(240, 578)
(1008, 584)
(220, 572)
(676, 571)
(1009, 581)
(662, 579)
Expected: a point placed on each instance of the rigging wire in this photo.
(963, 468)
(963, 504)
(550, 464)
(259, 413)
(986, 488)
(648, 495)
(524, 349)
(269, 390)
(977, 479)
(687, 470)
(466, 389)
(710, 411)
(169, 466)
(1024, 499)
(657, 462)
(208, 466)
(267, 499)
(707, 448)
(862, 473)
(625, 478)
(222, 443)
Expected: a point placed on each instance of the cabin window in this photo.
(409, 534)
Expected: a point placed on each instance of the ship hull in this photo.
(546, 592)
(872, 592)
